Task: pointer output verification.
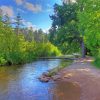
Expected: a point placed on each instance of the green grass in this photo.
(96, 63)
(58, 68)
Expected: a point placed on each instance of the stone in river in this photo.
(44, 78)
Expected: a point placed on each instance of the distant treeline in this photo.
(21, 45)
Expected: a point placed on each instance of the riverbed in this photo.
(21, 83)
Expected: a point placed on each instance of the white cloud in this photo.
(29, 6)
(19, 2)
(73, 0)
(20, 10)
(33, 7)
(67, 1)
(29, 25)
(7, 10)
(46, 30)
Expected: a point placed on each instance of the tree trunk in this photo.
(83, 49)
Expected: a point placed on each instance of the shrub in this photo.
(2, 61)
(97, 62)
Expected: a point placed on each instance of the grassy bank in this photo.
(96, 63)
(64, 63)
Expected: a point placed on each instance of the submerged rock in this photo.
(46, 74)
(44, 78)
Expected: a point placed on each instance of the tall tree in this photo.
(81, 5)
(89, 20)
(18, 23)
(64, 30)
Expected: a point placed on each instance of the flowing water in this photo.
(21, 83)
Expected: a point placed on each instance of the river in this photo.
(21, 83)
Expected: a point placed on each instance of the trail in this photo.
(86, 76)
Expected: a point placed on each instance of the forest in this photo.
(75, 29)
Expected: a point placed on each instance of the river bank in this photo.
(52, 73)
(84, 74)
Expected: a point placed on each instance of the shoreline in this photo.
(85, 75)
(82, 73)
(54, 74)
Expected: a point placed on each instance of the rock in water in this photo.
(46, 74)
(44, 78)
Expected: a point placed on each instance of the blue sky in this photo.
(34, 12)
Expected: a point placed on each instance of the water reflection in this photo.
(21, 83)
(66, 91)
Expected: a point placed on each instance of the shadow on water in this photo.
(21, 83)
(66, 91)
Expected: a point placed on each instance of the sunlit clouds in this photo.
(67, 1)
(29, 6)
(19, 2)
(7, 10)
(33, 7)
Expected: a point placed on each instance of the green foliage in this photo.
(97, 62)
(2, 61)
(97, 59)
(67, 41)
(46, 49)
(58, 68)
(75, 24)
(16, 49)
(64, 32)
(89, 23)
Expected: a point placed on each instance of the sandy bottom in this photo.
(81, 72)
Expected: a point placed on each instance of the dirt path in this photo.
(85, 75)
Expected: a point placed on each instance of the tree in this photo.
(18, 23)
(81, 29)
(64, 30)
(89, 21)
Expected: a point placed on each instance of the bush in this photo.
(2, 61)
(46, 50)
(14, 49)
(97, 62)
